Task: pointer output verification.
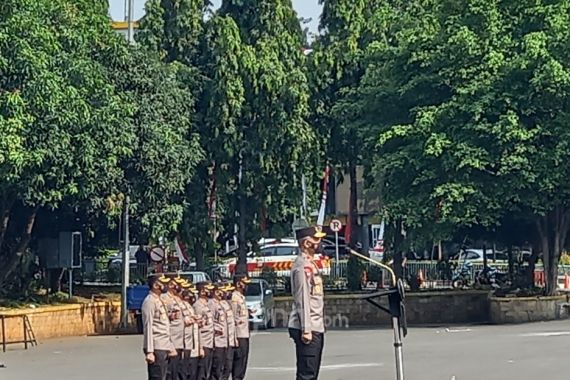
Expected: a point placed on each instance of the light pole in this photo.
(130, 21)
(126, 268)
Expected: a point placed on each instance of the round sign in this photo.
(157, 254)
(336, 225)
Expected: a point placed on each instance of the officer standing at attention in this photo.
(306, 322)
(232, 338)
(174, 306)
(192, 347)
(157, 345)
(241, 315)
(203, 311)
(220, 334)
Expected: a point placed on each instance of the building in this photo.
(122, 27)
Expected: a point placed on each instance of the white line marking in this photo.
(547, 334)
(457, 330)
(331, 367)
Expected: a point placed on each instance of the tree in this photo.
(335, 67)
(275, 145)
(176, 30)
(466, 104)
(166, 147)
(58, 108)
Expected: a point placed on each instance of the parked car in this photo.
(278, 257)
(260, 302)
(137, 293)
(476, 256)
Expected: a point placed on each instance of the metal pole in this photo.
(126, 267)
(130, 13)
(70, 282)
(398, 349)
(336, 255)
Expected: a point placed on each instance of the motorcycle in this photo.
(462, 277)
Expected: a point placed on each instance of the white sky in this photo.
(305, 8)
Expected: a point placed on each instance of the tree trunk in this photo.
(353, 206)
(552, 231)
(15, 257)
(199, 252)
(5, 208)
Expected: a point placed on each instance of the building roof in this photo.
(123, 25)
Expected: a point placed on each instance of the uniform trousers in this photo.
(308, 355)
(205, 364)
(229, 363)
(159, 369)
(192, 365)
(240, 357)
(177, 367)
(218, 363)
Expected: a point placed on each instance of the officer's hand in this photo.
(172, 353)
(202, 353)
(150, 358)
(307, 337)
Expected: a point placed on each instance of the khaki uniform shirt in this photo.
(308, 296)
(241, 315)
(202, 309)
(156, 325)
(174, 307)
(232, 338)
(220, 324)
(191, 332)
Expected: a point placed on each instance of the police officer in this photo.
(220, 333)
(174, 306)
(202, 309)
(157, 346)
(231, 322)
(192, 346)
(241, 315)
(306, 322)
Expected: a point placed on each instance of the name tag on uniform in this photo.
(318, 285)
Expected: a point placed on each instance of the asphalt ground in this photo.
(538, 351)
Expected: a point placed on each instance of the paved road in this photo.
(523, 352)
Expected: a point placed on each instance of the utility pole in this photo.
(130, 21)
(126, 268)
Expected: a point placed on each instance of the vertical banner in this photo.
(322, 209)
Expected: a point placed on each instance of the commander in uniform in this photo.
(306, 321)
(157, 346)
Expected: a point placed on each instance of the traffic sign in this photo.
(336, 225)
(157, 254)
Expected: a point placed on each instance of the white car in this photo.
(476, 256)
(260, 303)
(279, 257)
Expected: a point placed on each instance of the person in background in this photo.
(241, 314)
(220, 333)
(306, 321)
(143, 259)
(157, 346)
(231, 322)
(203, 312)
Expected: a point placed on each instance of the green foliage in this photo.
(466, 104)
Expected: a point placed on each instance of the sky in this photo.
(305, 8)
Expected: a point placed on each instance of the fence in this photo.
(432, 273)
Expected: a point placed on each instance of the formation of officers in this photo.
(195, 331)
(202, 332)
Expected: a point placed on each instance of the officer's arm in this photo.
(147, 316)
(302, 298)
